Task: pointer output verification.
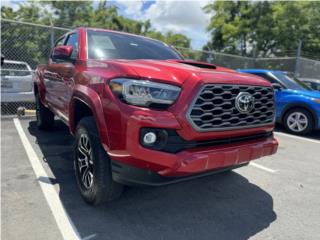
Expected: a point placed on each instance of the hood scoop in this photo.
(197, 64)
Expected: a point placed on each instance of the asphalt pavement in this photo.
(277, 197)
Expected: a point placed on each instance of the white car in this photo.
(16, 82)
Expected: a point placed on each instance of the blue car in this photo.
(297, 105)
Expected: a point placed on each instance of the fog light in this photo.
(150, 138)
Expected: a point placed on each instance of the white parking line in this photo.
(89, 237)
(256, 165)
(297, 137)
(67, 228)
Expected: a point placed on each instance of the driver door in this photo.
(61, 81)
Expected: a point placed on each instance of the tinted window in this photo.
(315, 86)
(290, 81)
(60, 42)
(73, 41)
(109, 45)
(267, 77)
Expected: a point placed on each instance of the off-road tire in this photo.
(103, 188)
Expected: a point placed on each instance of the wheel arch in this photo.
(80, 110)
(38, 83)
(299, 105)
(35, 89)
(86, 102)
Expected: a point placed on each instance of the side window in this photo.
(72, 40)
(60, 42)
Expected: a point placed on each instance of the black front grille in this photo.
(214, 108)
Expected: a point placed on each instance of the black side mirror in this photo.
(276, 86)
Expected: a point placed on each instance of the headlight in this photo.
(144, 93)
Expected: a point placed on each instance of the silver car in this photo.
(16, 82)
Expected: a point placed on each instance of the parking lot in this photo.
(277, 197)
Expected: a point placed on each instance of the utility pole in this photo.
(255, 55)
(210, 58)
(296, 70)
(52, 34)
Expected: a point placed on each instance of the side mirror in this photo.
(62, 52)
(276, 86)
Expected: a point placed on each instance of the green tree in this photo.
(25, 42)
(32, 44)
(70, 14)
(173, 39)
(263, 28)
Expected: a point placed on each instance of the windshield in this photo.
(291, 82)
(111, 45)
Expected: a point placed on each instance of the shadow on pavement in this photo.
(224, 206)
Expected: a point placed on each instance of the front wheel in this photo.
(298, 121)
(92, 165)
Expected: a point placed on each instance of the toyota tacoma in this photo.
(142, 115)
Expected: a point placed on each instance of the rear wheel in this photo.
(45, 118)
(92, 165)
(298, 121)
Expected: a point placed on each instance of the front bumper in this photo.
(132, 176)
(124, 123)
(195, 161)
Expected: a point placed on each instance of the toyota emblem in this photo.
(244, 102)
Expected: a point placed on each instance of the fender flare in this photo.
(90, 98)
(38, 81)
(299, 105)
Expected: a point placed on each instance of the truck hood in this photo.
(304, 93)
(178, 71)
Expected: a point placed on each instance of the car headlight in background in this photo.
(144, 93)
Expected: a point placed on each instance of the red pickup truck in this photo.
(143, 115)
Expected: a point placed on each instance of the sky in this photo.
(179, 16)
(186, 17)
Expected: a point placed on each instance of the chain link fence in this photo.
(221, 59)
(308, 68)
(303, 67)
(25, 45)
